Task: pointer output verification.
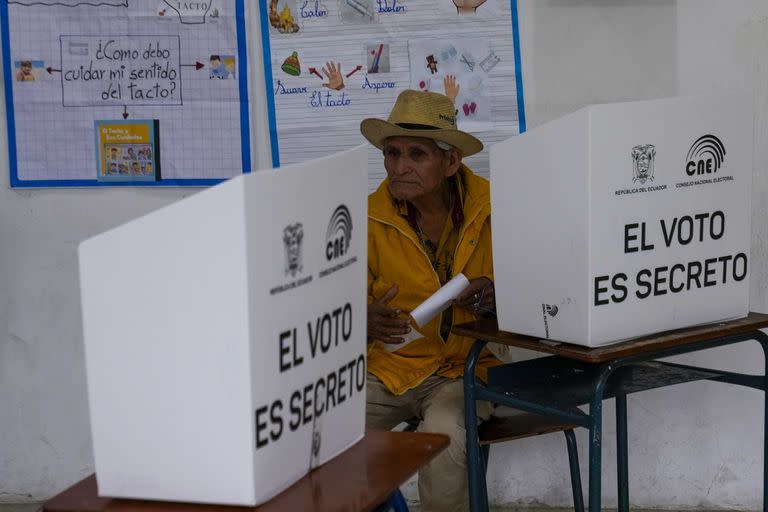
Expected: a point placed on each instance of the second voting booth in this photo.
(624, 219)
(225, 336)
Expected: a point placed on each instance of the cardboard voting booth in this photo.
(225, 336)
(625, 219)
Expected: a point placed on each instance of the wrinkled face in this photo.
(416, 167)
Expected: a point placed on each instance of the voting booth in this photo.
(225, 336)
(624, 219)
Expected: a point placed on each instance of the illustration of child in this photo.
(135, 168)
(25, 72)
(229, 66)
(131, 153)
(112, 168)
(217, 69)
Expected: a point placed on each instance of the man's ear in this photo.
(454, 162)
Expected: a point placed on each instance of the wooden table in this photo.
(578, 375)
(359, 479)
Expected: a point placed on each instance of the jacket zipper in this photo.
(429, 263)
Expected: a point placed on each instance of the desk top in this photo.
(358, 479)
(488, 330)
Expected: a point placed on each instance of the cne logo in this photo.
(705, 156)
(339, 234)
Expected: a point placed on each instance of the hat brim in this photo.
(376, 131)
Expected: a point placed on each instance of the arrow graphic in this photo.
(197, 65)
(313, 71)
(358, 68)
(50, 70)
(125, 111)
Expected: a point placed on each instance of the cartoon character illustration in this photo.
(122, 169)
(464, 7)
(335, 79)
(114, 154)
(135, 168)
(217, 70)
(431, 64)
(282, 21)
(131, 153)
(25, 72)
(229, 67)
(112, 168)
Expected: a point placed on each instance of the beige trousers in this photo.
(439, 402)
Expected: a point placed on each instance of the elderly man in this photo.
(428, 221)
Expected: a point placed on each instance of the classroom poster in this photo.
(331, 63)
(169, 76)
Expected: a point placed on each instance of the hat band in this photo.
(416, 126)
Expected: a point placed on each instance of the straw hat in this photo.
(421, 114)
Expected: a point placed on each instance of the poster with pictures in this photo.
(79, 73)
(331, 63)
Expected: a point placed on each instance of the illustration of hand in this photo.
(451, 87)
(467, 6)
(332, 71)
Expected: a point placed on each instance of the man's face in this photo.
(416, 167)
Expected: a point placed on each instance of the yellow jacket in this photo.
(396, 256)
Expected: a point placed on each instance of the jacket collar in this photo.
(385, 208)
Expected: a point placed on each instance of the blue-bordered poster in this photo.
(125, 92)
(331, 63)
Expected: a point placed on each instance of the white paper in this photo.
(371, 41)
(410, 337)
(439, 300)
(115, 61)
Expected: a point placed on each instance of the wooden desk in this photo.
(359, 479)
(577, 375)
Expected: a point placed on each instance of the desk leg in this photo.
(478, 496)
(762, 338)
(596, 437)
(622, 458)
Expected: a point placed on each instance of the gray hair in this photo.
(443, 145)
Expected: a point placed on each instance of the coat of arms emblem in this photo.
(643, 157)
(292, 237)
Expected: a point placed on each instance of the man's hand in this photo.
(385, 323)
(332, 71)
(479, 297)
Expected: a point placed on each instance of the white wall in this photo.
(695, 445)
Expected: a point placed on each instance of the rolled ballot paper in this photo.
(439, 300)
(431, 307)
